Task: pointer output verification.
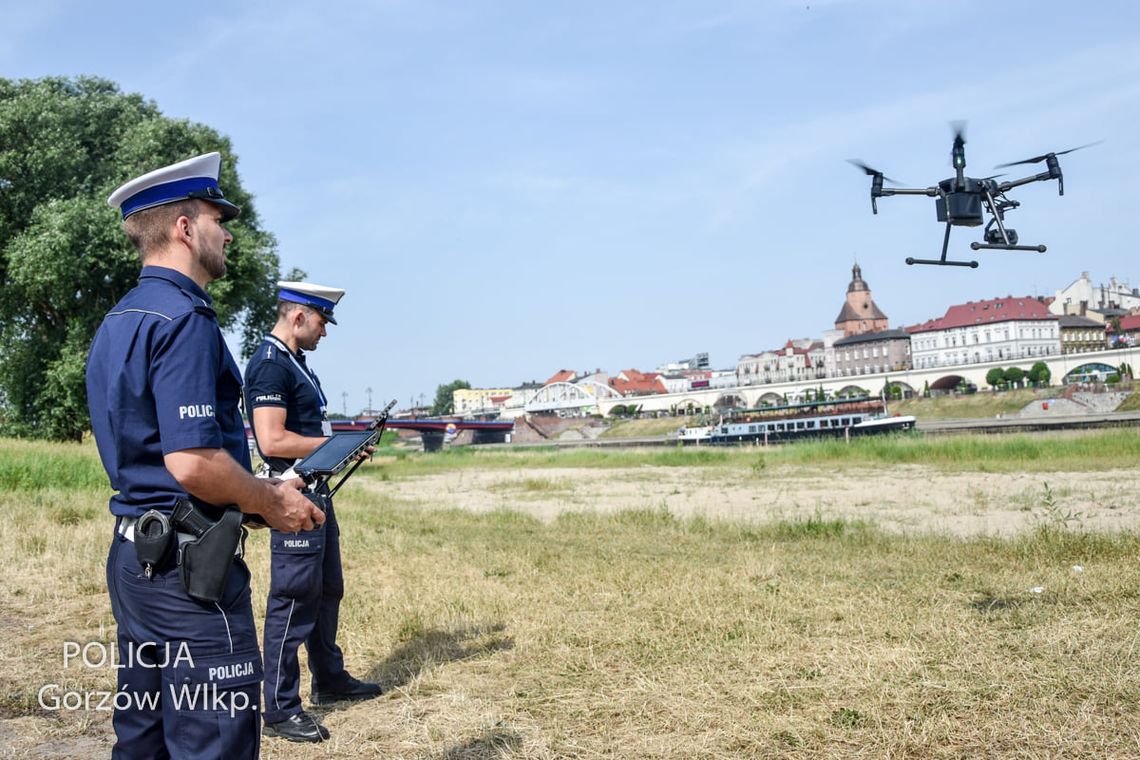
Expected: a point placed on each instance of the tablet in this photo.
(334, 454)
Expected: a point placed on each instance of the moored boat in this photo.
(843, 418)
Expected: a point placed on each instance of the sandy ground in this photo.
(907, 499)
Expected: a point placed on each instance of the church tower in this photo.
(859, 314)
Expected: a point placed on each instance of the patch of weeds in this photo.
(759, 467)
(33, 545)
(816, 526)
(534, 486)
(411, 627)
(847, 717)
(787, 739)
(986, 603)
(73, 515)
(660, 517)
(1053, 515)
(496, 572)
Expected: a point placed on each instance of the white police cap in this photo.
(319, 297)
(193, 178)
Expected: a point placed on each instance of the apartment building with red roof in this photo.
(797, 360)
(562, 376)
(631, 382)
(999, 329)
(1128, 334)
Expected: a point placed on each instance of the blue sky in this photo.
(509, 188)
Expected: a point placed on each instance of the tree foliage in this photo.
(443, 403)
(65, 144)
(1014, 376)
(1039, 374)
(995, 377)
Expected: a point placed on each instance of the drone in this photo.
(962, 201)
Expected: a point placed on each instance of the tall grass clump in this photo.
(35, 466)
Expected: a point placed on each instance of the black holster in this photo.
(204, 563)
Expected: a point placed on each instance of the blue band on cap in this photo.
(168, 192)
(305, 298)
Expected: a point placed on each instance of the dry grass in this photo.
(648, 428)
(984, 403)
(1130, 404)
(639, 634)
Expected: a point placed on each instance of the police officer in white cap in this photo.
(288, 412)
(163, 392)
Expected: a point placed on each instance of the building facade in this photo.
(797, 360)
(470, 401)
(872, 353)
(999, 329)
(1081, 296)
(1081, 334)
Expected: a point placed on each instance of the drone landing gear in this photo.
(942, 262)
(1001, 247)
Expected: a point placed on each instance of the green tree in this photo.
(995, 377)
(1014, 376)
(1039, 374)
(65, 144)
(444, 403)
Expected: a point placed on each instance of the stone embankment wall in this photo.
(1075, 402)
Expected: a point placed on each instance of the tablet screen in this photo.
(332, 455)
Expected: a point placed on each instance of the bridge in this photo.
(434, 431)
(1063, 368)
(569, 397)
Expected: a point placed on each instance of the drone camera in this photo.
(993, 236)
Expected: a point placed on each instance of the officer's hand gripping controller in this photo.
(338, 452)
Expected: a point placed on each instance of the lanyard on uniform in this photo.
(304, 371)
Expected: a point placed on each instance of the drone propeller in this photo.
(1043, 156)
(870, 171)
(958, 153)
(959, 128)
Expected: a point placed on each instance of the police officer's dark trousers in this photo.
(187, 685)
(305, 588)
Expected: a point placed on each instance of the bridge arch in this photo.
(950, 383)
(730, 400)
(569, 396)
(899, 389)
(1089, 372)
(689, 406)
(852, 390)
(771, 399)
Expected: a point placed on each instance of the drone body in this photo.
(962, 201)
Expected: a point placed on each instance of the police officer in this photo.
(288, 414)
(163, 393)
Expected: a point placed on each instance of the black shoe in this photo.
(353, 690)
(301, 727)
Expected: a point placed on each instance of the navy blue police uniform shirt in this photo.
(276, 376)
(160, 379)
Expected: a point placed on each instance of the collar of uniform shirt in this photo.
(176, 277)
